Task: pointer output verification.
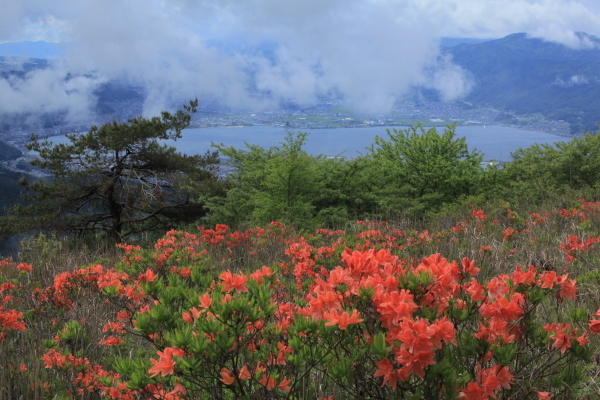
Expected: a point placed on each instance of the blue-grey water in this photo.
(495, 142)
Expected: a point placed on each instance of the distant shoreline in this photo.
(362, 126)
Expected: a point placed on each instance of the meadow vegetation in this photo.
(406, 273)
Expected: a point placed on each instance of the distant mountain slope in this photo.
(451, 42)
(8, 152)
(533, 76)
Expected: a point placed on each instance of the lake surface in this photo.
(495, 142)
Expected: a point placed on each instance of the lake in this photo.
(495, 142)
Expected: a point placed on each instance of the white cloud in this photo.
(49, 90)
(572, 81)
(369, 51)
(553, 20)
(449, 79)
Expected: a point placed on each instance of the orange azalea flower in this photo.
(12, 320)
(326, 299)
(231, 281)
(148, 276)
(178, 389)
(386, 370)
(165, 364)
(414, 363)
(340, 275)
(473, 392)
(519, 276)
(6, 286)
(267, 382)
(511, 309)
(567, 290)
(594, 326)
(24, 267)
(53, 358)
(475, 290)
(226, 376)
(445, 332)
(562, 341)
(226, 299)
(508, 232)
(366, 263)
(342, 320)
(284, 384)
(205, 300)
(494, 378)
(483, 249)
(497, 287)
(543, 395)
(478, 214)
(469, 266)
(270, 383)
(259, 274)
(582, 340)
(187, 317)
(414, 335)
(548, 279)
(111, 341)
(498, 330)
(395, 306)
(283, 351)
(185, 272)
(244, 373)
(113, 327)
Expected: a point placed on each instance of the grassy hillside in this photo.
(501, 292)
(456, 282)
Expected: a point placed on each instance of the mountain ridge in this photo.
(530, 75)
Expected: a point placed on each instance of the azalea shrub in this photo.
(369, 312)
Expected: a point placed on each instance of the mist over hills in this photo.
(517, 74)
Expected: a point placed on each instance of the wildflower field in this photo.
(490, 304)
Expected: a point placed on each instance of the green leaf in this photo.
(381, 350)
(504, 355)
(579, 314)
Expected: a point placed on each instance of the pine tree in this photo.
(116, 180)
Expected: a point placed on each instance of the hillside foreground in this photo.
(482, 303)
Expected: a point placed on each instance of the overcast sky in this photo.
(368, 51)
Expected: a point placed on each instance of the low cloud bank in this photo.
(258, 54)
